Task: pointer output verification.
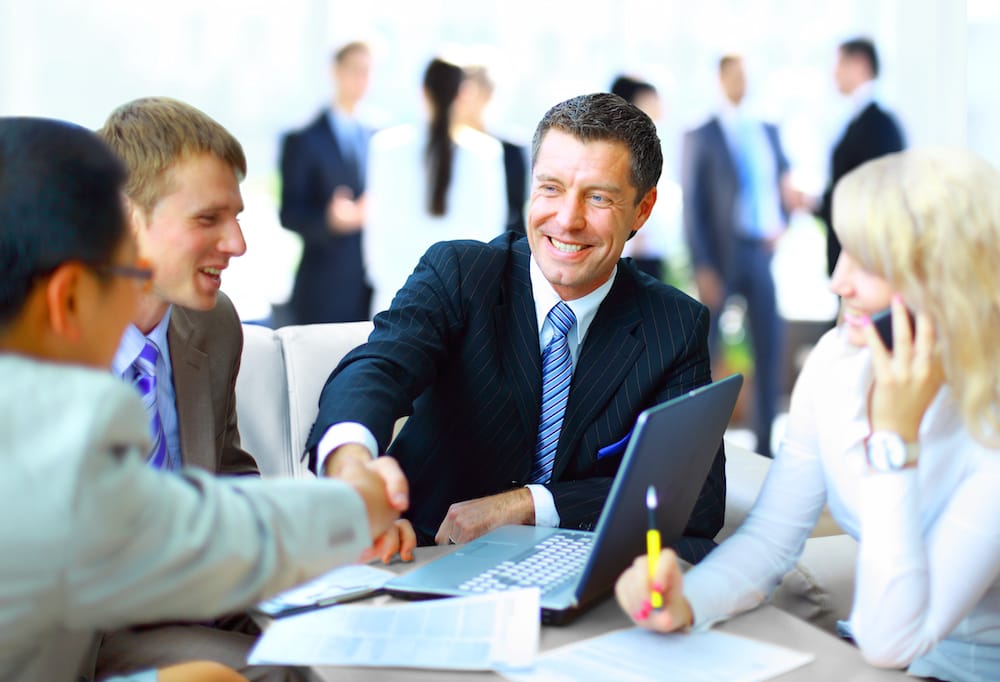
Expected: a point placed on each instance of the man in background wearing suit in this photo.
(94, 537)
(733, 173)
(182, 352)
(871, 132)
(322, 198)
(523, 363)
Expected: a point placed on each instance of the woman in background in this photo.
(438, 183)
(903, 444)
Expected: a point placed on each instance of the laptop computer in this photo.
(672, 448)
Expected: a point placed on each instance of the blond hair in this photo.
(151, 135)
(928, 222)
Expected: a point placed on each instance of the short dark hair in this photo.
(864, 48)
(629, 88)
(60, 200)
(605, 116)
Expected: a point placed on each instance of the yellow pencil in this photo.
(652, 546)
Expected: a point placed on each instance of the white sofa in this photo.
(277, 395)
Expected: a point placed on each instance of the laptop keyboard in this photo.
(546, 566)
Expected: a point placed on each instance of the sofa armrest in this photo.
(262, 402)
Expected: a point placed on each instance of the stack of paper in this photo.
(488, 632)
(339, 585)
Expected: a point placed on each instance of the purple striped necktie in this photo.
(557, 373)
(145, 383)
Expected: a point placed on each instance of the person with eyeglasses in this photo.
(94, 538)
(182, 351)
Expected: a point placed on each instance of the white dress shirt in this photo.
(128, 351)
(545, 297)
(927, 586)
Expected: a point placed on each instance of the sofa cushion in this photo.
(262, 402)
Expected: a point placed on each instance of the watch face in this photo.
(886, 452)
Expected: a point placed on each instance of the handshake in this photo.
(384, 490)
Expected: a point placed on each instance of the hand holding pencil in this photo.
(651, 590)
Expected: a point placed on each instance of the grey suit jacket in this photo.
(711, 189)
(94, 539)
(205, 350)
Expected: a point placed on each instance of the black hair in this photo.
(629, 88)
(605, 116)
(441, 83)
(60, 200)
(865, 48)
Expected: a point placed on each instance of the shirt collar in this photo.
(859, 100)
(585, 308)
(133, 341)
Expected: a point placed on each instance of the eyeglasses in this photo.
(141, 273)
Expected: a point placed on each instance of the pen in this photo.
(652, 545)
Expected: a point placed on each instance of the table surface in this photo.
(835, 659)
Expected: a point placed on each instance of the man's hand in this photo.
(468, 520)
(400, 539)
(336, 460)
(711, 291)
(370, 482)
(344, 213)
(634, 587)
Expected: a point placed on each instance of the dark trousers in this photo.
(751, 278)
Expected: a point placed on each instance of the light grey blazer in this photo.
(93, 539)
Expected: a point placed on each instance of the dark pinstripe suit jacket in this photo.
(458, 351)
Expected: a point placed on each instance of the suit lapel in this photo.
(192, 388)
(720, 142)
(608, 354)
(517, 338)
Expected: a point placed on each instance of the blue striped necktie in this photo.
(557, 373)
(145, 383)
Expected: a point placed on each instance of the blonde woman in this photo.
(903, 445)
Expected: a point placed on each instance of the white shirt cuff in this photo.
(342, 434)
(546, 515)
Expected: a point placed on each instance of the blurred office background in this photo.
(262, 68)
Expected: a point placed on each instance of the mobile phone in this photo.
(883, 325)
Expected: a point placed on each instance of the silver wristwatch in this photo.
(886, 451)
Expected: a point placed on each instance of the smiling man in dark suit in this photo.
(322, 198)
(523, 363)
(871, 132)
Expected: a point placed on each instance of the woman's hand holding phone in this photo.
(908, 372)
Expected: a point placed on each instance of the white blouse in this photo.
(927, 582)
(398, 226)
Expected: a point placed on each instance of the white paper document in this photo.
(639, 655)
(488, 632)
(340, 584)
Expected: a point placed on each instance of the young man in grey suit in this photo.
(182, 351)
(523, 363)
(96, 538)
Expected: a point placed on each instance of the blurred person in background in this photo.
(437, 182)
(323, 169)
(902, 443)
(648, 249)
(734, 174)
(473, 98)
(871, 131)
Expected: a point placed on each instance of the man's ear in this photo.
(644, 209)
(62, 297)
